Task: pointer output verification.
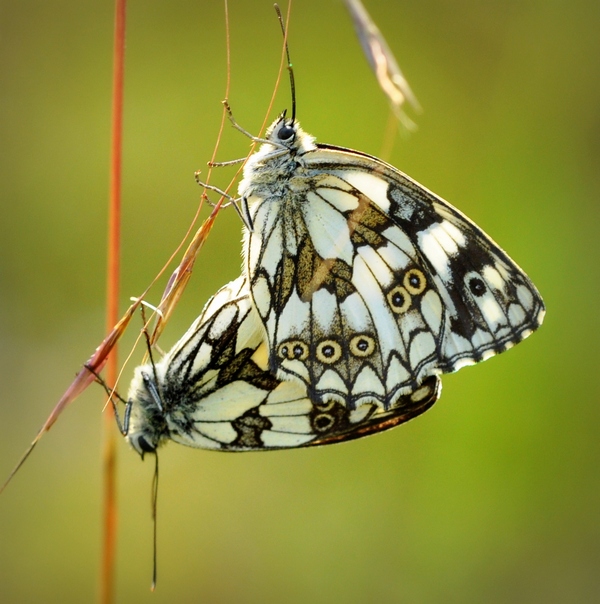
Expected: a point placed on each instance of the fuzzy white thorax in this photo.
(275, 163)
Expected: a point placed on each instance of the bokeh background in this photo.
(493, 495)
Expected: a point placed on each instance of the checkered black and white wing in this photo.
(213, 390)
(366, 282)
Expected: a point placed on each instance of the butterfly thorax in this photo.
(277, 168)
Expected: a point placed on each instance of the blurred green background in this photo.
(493, 495)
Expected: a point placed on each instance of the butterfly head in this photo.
(285, 133)
(145, 418)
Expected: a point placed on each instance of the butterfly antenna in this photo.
(289, 65)
(154, 515)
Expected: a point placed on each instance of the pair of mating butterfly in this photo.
(359, 288)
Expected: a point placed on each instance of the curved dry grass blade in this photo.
(82, 380)
(181, 275)
(382, 61)
(171, 296)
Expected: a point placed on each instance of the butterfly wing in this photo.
(367, 283)
(490, 304)
(370, 418)
(214, 390)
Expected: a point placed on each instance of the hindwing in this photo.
(214, 390)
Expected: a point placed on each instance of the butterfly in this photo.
(214, 390)
(367, 283)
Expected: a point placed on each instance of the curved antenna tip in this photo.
(289, 65)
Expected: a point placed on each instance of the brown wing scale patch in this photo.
(313, 273)
(366, 223)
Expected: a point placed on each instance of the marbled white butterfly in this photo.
(367, 283)
(213, 390)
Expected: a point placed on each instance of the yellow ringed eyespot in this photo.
(329, 351)
(415, 281)
(399, 299)
(323, 422)
(362, 345)
(293, 350)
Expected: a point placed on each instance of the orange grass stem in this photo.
(109, 542)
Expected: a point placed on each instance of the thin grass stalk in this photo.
(109, 541)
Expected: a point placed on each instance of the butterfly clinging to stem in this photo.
(360, 287)
(366, 282)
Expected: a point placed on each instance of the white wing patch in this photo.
(341, 200)
(262, 296)
(228, 402)
(370, 185)
(437, 246)
(326, 219)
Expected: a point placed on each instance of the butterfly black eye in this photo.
(286, 133)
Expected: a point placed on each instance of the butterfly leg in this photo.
(122, 426)
(242, 130)
(255, 139)
(213, 188)
(243, 213)
(231, 162)
(246, 218)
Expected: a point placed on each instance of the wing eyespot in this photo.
(323, 422)
(415, 281)
(293, 350)
(362, 345)
(328, 351)
(477, 286)
(399, 299)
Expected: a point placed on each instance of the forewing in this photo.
(489, 303)
(367, 283)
